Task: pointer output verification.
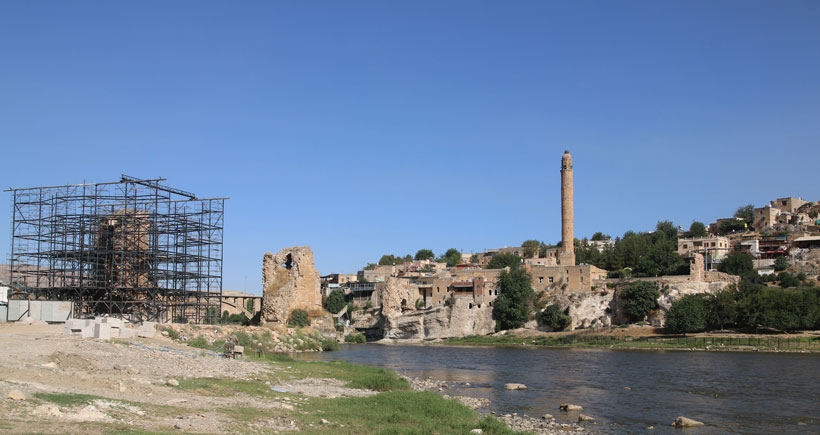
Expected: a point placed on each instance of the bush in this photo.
(688, 314)
(335, 301)
(355, 338)
(781, 263)
(299, 318)
(640, 298)
(198, 342)
(554, 318)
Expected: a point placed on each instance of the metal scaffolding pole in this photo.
(133, 248)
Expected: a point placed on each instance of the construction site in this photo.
(133, 249)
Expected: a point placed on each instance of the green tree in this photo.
(452, 257)
(389, 260)
(731, 225)
(781, 263)
(530, 248)
(746, 213)
(688, 314)
(504, 259)
(738, 263)
(554, 318)
(474, 258)
(424, 254)
(599, 236)
(640, 298)
(697, 229)
(515, 300)
(721, 309)
(787, 280)
(335, 301)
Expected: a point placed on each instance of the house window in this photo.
(552, 280)
(684, 246)
(582, 279)
(540, 279)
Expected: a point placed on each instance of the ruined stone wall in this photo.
(289, 281)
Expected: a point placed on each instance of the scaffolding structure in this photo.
(133, 248)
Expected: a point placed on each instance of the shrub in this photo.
(640, 298)
(299, 318)
(335, 301)
(172, 333)
(198, 342)
(554, 317)
(355, 338)
(781, 263)
(688, 314)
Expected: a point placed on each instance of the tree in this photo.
(688, 314)
(697, 229)
(640, 298)
(746, 213)
(335, 301)
(721, 309)
(554, 318)
(515, 300)
(389, 260)
(738, 263)
(452, 257)
(599, 237)
(424, 254)
(727, 226)
(781, 263)
(787, 280)
(504, 259)
(474, 258)
(530, 248)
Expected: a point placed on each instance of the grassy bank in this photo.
(766, 343)
(267, 409)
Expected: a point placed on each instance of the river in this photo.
(625, 391)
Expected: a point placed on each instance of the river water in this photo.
(625, 391)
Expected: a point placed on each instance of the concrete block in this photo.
(128, 333)
(113, 321)
(87, 331)
(147, 330)
(102, 331)
(75, 325)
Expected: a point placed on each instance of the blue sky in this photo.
(364, 128)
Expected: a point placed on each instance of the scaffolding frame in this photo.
(132, 248)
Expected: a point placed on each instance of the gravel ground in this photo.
(137, 379)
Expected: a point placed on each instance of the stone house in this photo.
(789, 204)
(566, 279)
(714, 248)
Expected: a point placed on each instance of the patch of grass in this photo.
(68, 399)
(172, 333)
(225, 387)
(356, 376)
(198, 342)
(396, 412)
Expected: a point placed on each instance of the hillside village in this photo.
(786, 228)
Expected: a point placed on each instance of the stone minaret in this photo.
(567, 254)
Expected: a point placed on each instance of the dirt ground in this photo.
(136, 378)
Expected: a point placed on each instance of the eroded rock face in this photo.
(289, 281)
(461, 320)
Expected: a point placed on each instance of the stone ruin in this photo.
(289, 282)
(121, 246)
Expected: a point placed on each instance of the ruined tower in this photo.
(567, 254)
